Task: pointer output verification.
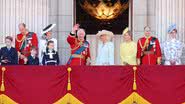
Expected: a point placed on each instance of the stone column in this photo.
(139, 18)
(34, 13)
(61, 13)
(170, 12)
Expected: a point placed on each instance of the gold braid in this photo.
(78, 44)
(145, 44)
(20, 40)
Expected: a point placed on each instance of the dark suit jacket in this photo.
(10, 55)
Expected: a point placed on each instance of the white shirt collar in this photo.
(33, 55)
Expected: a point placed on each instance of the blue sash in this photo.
(25, 42)
(151, 45)
(78, 51)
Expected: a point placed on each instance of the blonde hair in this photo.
(129, 33)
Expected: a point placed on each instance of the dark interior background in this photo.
(93, 25)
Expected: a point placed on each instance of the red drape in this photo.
(162, 85)
(95, 85)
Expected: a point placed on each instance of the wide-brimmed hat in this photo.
(109, 34)
(48, 28)
(171, 28)
(125, 31)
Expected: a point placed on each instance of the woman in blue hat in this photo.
(172, 49)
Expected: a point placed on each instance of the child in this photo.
(8, 54)
(33, 59)
(50, 56)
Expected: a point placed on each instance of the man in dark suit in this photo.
(8, 54)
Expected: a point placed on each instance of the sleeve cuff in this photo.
(72, 34)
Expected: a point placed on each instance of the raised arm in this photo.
(71, 37)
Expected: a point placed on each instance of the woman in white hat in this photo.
(105, 55)
(128, 49)
(46, 37)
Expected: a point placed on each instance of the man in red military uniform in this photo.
(23, 43)
(148, 49)
(80, 52)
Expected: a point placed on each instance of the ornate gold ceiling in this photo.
(105, 11)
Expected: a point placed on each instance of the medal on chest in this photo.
(153, 44)
(86, 46)
(29, 43)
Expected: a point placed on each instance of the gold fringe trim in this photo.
(4, 99)
(68, 99)
(134, 98)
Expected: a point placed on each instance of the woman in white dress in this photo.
(46, 36)
(105, 55)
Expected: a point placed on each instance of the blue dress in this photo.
(173, 51)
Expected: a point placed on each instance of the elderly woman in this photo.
(128, 49)
(105, 55)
